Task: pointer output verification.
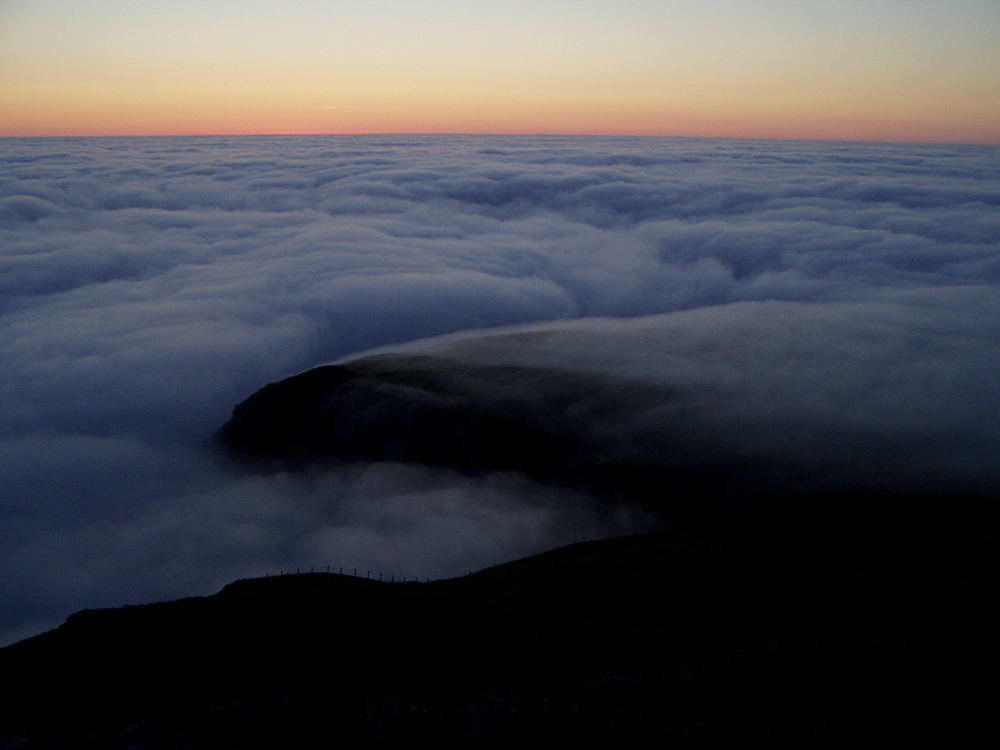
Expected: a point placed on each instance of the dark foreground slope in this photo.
(850, 629)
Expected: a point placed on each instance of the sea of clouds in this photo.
(819, 299)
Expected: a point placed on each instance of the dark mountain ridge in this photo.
(833, 626)
(784, 603)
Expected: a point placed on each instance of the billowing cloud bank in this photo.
(822, 291)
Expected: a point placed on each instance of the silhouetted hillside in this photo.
(849, 627)
(611, 438)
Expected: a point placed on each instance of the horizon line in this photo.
(500, 134)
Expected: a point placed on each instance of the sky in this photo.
(882, 70)
(827, 309)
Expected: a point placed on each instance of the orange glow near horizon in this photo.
(608, 120)
(518, 111)
(577, 68)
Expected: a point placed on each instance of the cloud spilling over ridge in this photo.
(148, 285)
(245, 259)
(896, 392)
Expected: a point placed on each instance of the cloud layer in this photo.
(148, 285)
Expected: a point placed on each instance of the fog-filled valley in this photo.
(780, 314)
